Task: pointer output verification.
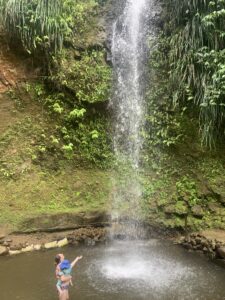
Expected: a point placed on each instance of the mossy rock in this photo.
(180, 209)
(174, 222)
(161, 203)
(214, 208)
(197, 211)
(219, 192)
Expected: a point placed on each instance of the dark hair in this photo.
(57, 259)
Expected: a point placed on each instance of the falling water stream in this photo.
(129, 49)
(128, 46)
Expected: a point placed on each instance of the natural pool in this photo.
(122, 270)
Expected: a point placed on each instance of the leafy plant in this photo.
(195, 35)
(44, 25)
(68, 150)
(35, 23)
(187, 191)
(89, 78)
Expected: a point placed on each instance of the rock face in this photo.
(64, 221)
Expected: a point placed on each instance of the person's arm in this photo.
(75, 261)
(57, 270)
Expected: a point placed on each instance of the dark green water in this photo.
(124, 270)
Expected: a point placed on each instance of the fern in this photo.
(196, 33)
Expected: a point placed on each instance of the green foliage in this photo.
(77, 14)
(68, 150)
(187, 191)
(195, 34)
(81, 133)
(163, 120)
(44, 24)
(35, 23)
(89, 78)
(57, 108)
(91, 140)
(77, 113)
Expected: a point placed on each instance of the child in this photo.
(64, 272)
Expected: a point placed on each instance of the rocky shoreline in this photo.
(21, 243)
(210, 243)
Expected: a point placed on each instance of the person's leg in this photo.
(67, 294)
(63, 295)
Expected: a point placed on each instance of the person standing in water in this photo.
(64, 275)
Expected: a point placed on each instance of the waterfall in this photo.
(128, 46)
(129, 60)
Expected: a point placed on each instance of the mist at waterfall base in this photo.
(160, 271)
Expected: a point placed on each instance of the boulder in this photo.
(63, 242)
(11, 252)
(170, 209)
(214, 208)
(180, 209)
(219, 191)
(197, 211)
(5, 244)
(51, 245)
(221, 252)
(16, 247)
(28, 248)
(37, 247)
(3, 250)
(8, 240)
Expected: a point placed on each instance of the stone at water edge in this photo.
(28, 248)
(37, 247)
(63, 242)
(51, 245)
(221, 252)
(11, 252)
(3, 250)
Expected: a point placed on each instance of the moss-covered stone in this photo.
(180, 209)
(197, 211)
